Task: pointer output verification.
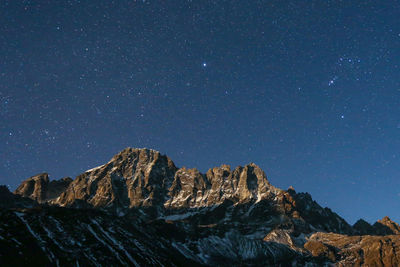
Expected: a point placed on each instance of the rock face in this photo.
(355, 250)
(132, 178)
(362, 227)
(140, 209)
(40, 188)
(386, 226)
(34, 187)
(192, 189)
(143, 177)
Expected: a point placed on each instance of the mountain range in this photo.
(139, 209)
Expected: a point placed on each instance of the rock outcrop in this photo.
(41, 189)
(132, 178)
(386, 226)
(355, 250)
(143, 177)
(361, 227)
(244, 184)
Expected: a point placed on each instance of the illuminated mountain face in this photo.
(140, 209)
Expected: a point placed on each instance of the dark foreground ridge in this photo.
(139, 209)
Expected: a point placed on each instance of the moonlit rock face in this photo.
(193, 189)
(133, 177)
(143, 177)
(140, 209)
(41, 189)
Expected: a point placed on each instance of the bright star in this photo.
(332, 81)
(204, 64)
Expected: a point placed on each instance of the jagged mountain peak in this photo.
(40, 188)
(362, 222)
(133, 177)
(205, 216)
(38, 177)
(35, 190)
(34, 187)
(387, 226)
(130, 155)
(144, 177)
(385, 219)
(194, 189)
(131, 152)
(140, 177)
(137, 177)
(199, 216)
(362, 227)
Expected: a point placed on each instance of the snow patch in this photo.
(35, 235)
(116, 243)
(51, 236)
(105, 244)
(95, 168)
(177, 217)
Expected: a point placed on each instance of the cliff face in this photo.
(192, 189)
(143, 177)
(132, 178)
(140, 202)
(355, 250)
(40, 188)
(386, 226)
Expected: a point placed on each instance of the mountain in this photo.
(385, 226)
(140, 209)
(40, 188)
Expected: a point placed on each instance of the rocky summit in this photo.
(139, 209)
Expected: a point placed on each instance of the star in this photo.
(333, 80)
(204, 64)
(342, 116)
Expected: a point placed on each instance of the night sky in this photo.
(308, 90)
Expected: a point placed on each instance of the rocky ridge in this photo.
(40, 189)
(225, 216)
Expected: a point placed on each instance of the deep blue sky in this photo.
(308, 90)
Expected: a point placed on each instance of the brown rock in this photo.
(357, 250)
(189, 189)
(34, 187)
(133, 177)
(40, 188)
(320, 250)
(193, 189)
(386, 226)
